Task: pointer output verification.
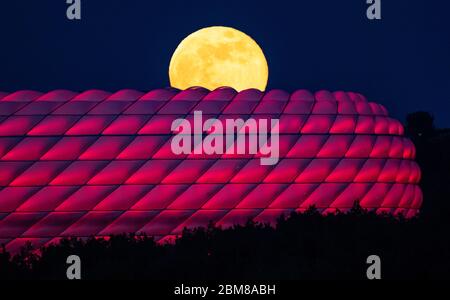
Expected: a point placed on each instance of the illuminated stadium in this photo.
(97, 164)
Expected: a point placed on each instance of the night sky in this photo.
(402, 61)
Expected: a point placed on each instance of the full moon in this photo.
(218, 56)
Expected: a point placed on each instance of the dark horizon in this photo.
(401, 61)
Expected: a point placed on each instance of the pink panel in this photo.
(47, 198)
(361, 146)
(407, 198)
(10, 170)
(270, 216)
(17, 244)
(395, 127)
(30, 148)
(240, 107)
(325, 107)
(106, 147)
(74, 108)
(221, 94)
(210, 107)
(392, 199)
(39, 174)
(381, 125)
(370, 170)
(249, 95)
(13, 197)
(222, 171)
(354, 192)
(159, 95)
(22, 96)
(318, 124)
(363, 108)
(396, 149)
(376, 195)
(15, 224)
(9, 108)
(165, 222)
(343, 124)
(57, 96)
(53, 224)
(253, 172)
(128, 222)
(270, 107)
(347, 107)
(307, 146)
(238, 217)
(404, 171)
(262, 196)
(18, 125)
(126, 125)
(195, 196)
(201, 218)
(286, 170)
(85, 198)
(293, 196)
(291, 123)
(408, 149)
(335, 146)
(92, 95)
(191, 94)
(188, 171)
(125, 95)
(229, 196)
(6, 143)
(299, 107)
(69, 148)
(144, 107)
(53, 125)
(177, 107)
(324, 96)
(90, 125)
(123, 197)
(365, 125)
(38, 108)
(142, 147)
(152, 172)
(160, 197)
(317, 171)
(381, 147)
(286, 143)
(302, 95)
(91, 223)
(159, 125)
(346, 170)
(78, 173)
(376, 109)
(324, 195)
(116, 172)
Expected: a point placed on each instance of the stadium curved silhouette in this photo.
(97, 164)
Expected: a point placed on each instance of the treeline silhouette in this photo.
(301, 246)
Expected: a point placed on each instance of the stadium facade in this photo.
(97, 164)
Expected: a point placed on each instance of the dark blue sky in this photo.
(402, 61)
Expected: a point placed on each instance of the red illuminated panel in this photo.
(99, 163)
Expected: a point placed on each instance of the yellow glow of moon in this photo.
(218, 56)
